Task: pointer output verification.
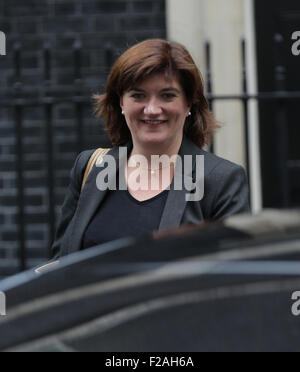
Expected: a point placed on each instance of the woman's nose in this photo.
(153, 108)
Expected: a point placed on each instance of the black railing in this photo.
(48, 95)
(281, 97)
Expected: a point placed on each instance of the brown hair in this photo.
(141, 61)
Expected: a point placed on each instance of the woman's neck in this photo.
(148, 152)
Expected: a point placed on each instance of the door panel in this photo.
(276, 21)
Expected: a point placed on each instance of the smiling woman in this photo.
(154, 107)
(156, 111)
(176, 69)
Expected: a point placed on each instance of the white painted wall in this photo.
(254, 140)
(191, 22)
(186, 25)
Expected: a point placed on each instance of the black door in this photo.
(279, 69)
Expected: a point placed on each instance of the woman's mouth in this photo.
(154, 122)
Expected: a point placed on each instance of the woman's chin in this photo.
(153, 139)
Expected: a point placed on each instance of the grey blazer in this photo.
(226, 193)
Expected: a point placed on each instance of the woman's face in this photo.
(156, 110)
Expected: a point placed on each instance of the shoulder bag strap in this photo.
(95, 158)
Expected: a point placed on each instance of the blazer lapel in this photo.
(175, 207)
(176, 201)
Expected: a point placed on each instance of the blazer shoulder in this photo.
(213, 163)
(227, 191)
(79, 167)
(83, 158)
(216, 164)
(81, 164)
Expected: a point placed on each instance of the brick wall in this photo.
(98, 25)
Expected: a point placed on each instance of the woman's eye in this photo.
(169, 96)
(138, 96)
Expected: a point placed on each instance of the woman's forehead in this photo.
(158, 81)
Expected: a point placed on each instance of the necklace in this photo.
(153, 171)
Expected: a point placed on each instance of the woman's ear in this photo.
(121, 103)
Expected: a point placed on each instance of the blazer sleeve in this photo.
(70, 203)
(231, 192)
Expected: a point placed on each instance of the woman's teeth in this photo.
(153, 122)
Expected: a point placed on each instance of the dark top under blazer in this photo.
(226, 194)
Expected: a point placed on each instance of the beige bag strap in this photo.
(95, 159)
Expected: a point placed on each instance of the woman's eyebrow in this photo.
(136, 90)
(171, 89)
